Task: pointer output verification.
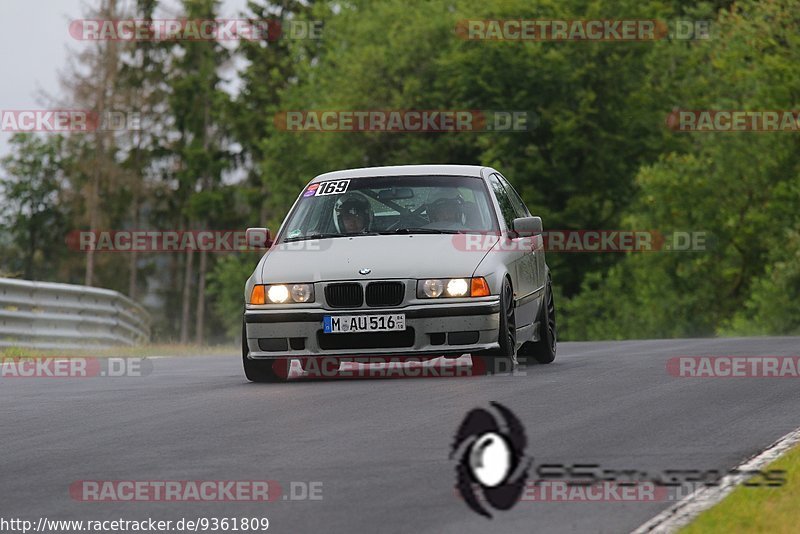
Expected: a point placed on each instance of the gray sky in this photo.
(35, 43)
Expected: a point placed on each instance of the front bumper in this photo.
(431, 328)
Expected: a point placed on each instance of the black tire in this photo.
(544, 350)
(257, 370)
(504, 360)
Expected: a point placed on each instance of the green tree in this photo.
(740, 187)
(33, 212)
(591, 126)
(198, 105)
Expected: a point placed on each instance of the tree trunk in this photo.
(105, 88)
(89, 279)
(201, 299)
(134, 257)
(30, 252)
(187, 296)
(201, 286)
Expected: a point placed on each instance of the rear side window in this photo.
(506, 206)
(516, 200)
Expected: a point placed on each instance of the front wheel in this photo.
(257, 370)
(504, 360)
(544, 350)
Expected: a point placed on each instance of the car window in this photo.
(506, 207)
(391, 204)
(519, 206)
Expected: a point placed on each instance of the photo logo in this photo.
(172, 30)
(721, 120)
(78, 367)
(582, 30)
(726, 366)
(68, 120)
(492, 466)
(580, 241)
(185, 240)
(405, 120)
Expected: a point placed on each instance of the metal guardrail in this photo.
(47, 315)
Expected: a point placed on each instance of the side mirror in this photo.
(257, 238)
(527, 226)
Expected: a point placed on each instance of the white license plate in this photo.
(348, 324)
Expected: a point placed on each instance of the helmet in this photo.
(354, 204)
(447, 206)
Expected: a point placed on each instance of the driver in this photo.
(354, 215)
(448, 208)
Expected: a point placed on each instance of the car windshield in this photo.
(391, 205)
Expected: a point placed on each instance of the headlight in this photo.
(457, 287)
(433, 288)
(452, 287)
(277, 294)
(302, 292)
(282, 294)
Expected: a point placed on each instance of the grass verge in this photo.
(757, 509)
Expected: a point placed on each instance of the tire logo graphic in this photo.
(492, 467)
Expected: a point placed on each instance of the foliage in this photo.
(742, 188)
(33, 214)
(597, 154)
(226, 289)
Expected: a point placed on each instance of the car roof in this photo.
(403, 170)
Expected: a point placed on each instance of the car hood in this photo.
(387, 256)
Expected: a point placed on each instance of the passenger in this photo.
(354, 215)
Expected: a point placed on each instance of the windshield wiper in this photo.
(421, 231)
(312, 236)
(326, 236)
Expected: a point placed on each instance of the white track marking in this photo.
(684, 511)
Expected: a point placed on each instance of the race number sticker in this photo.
(334, 187)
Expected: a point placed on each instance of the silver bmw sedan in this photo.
(406, 261)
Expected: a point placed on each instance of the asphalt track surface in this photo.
(380, 447)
